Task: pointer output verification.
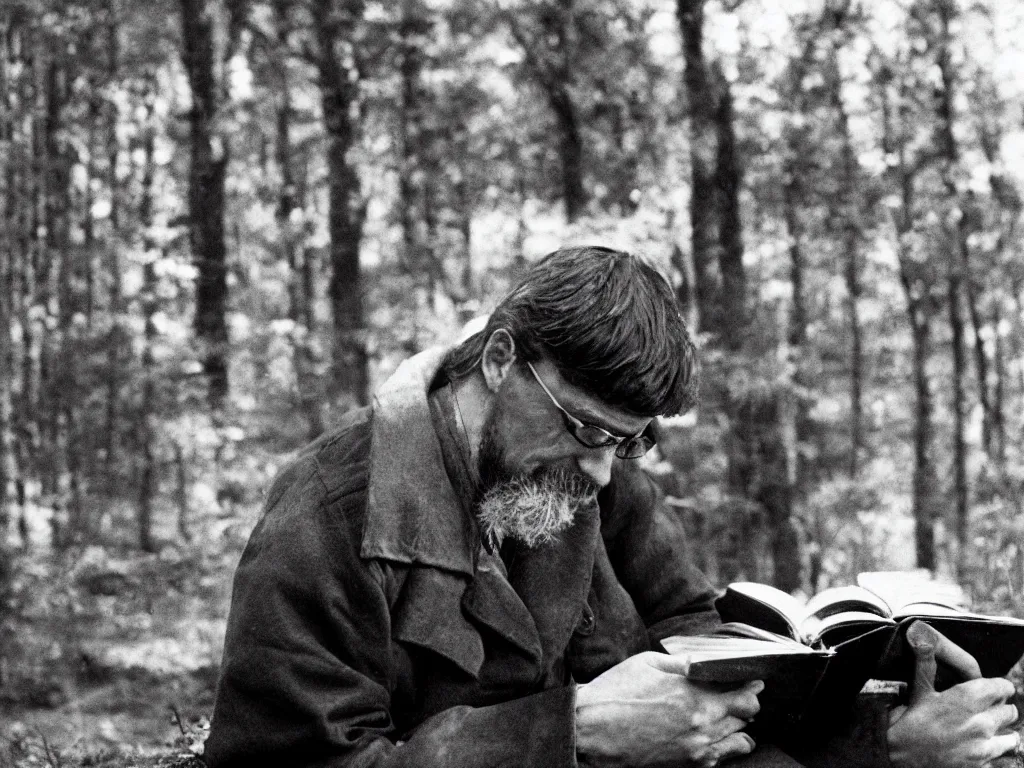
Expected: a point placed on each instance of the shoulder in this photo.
(323, 488)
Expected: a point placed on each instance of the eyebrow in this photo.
(584, 413)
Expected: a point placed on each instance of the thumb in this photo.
(923, 639)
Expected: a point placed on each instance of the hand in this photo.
(960, 727)
(644, 712)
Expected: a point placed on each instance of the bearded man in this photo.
(475, 572)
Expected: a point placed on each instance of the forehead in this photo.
(585, 406)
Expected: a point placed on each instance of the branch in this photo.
(548, 80)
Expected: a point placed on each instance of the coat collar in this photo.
(413, 514)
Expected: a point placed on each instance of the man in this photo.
(474, 571)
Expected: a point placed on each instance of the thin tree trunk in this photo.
(571, 143)
(9, 196)
(334, 24)
(758, 451)
(7, 365)
(729, 182)
(207, 176)
(410, 126)
(292, 236)
(958, 261)
(115, 307)
(148, 469)
(919, 315)
(554, 75)
(999, 388)
(181, 492)
(958, 404)
(848, 196)
(466, 230)
(703, 162)
(924, 474)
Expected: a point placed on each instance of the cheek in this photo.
(532, 439)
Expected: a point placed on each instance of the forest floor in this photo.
(111, 654)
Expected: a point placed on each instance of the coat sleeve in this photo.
(647, 546)
(309, 668)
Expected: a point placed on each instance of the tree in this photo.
(336, 28)
(204, 62)
(548, 37)
(292, 227)
(917, 276)
(755, 443)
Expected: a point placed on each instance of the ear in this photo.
(498, 358)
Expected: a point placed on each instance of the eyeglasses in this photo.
(593, 436)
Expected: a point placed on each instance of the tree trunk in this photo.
(571, 145)
(292, 237)
(11, 217)
(729, 182)
(916, 289)
(549, 59)
(465, 214)
(957, 272)
(703, 162)
(851, 247)
(759, 470)
(925, 512)
(335, 24)
(115, 337)
(7, 363)
(148, 469)
(958, 404)
(999, 388)
(412, 173)
(207, 175)
(181, 492)
(757, 448)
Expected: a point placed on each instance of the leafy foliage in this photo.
(879, 150)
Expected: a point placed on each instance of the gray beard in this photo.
(533, 509)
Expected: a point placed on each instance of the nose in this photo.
(596, 464)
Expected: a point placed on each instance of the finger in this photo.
(987, 692)
(1006, 715)
(731, 746)
(956, 657)
(922, 639)
(667, 662)
(743, 702)
(724, 728)
(1000, 745)
(996, 719)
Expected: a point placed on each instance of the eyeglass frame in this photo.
(573, 425)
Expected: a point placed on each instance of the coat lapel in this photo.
(553, 581)
(491, 601)
(429, 614)
(439, 611)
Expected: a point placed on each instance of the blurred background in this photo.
(224, 222)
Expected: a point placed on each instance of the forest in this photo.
(225, 222)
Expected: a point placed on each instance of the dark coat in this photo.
(369, 627)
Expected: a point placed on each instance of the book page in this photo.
(839, 627)
(835, 600)
(901, 588)
(714, 658)
(788, 608)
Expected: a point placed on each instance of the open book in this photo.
(848, 636)
(883, 602)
